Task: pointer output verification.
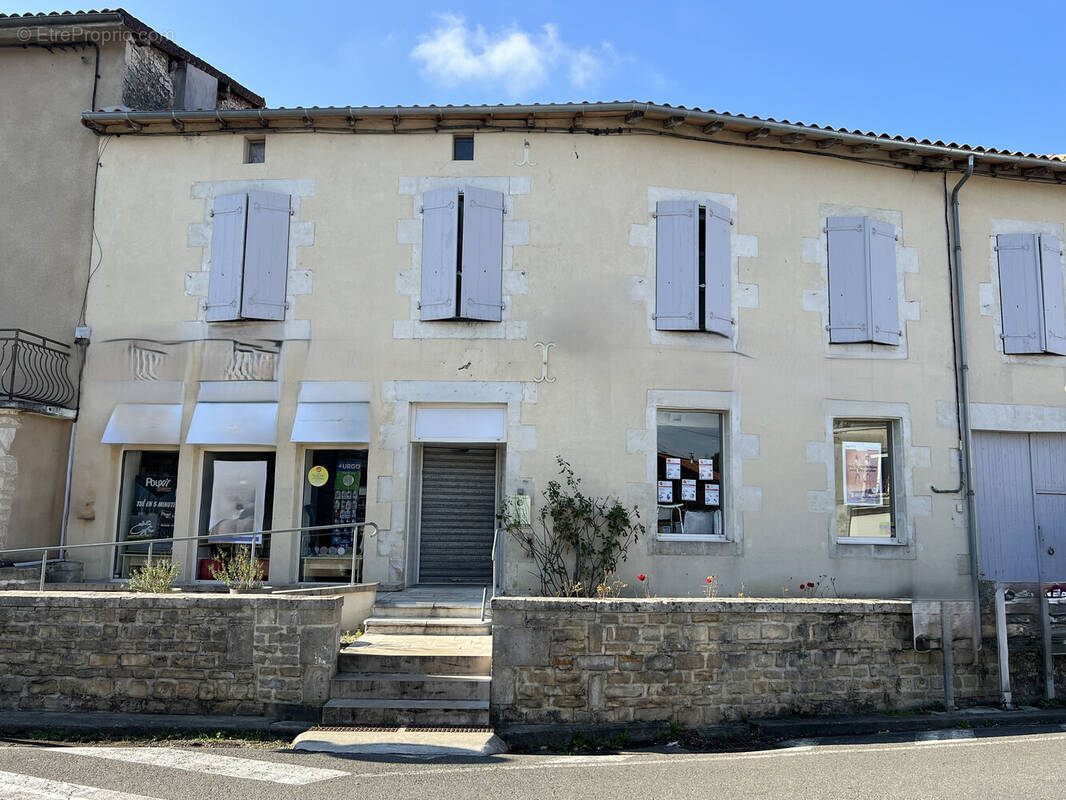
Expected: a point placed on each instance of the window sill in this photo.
(690, 537)
(870, 540)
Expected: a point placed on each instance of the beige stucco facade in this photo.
(52, 68)
(578, 273)
(47, 168)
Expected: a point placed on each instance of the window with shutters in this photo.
(249, 257)
(693, 267)
(863, 296)
(1031, 293)
(462, 254)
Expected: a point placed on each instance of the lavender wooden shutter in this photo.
(1052, 285)
(677, 302)
(228, 218)
(884, 305)
(849, 310)
(266, 256)
(718, 271)
(1020, 292)
(481, 283)
(440, 232)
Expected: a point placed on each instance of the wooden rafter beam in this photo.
(938, 162)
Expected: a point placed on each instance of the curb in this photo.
(820, 727)
(21, 721)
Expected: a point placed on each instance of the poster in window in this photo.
(862, 474)
(711, 495)
(688, 490)
(237, 496)
(673, 468)
(346, 501)
(666, 491)
(152, 515)
(706, 469)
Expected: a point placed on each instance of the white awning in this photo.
(144, 423)
(234, 423)
(332, 422)
(450, 424)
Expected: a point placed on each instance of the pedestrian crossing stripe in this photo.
(14, 786)
(208, 763)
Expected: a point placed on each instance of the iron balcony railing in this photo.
(34, 368)
(255, 539)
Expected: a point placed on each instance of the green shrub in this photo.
(156, 577)
(576, 541)
(238, 570)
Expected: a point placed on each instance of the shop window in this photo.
(462, 254)
(146, 507)
(334, 493)
(690, 487)
(865, 479)
(236, 501)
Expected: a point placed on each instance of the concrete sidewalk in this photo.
(767, 731)
(866, 724)
(310, 736)
(110, 722)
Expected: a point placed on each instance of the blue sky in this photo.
(977, 72)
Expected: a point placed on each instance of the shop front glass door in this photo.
(334, 493)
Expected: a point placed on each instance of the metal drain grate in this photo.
(412, 728)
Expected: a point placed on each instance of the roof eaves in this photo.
(671, 117)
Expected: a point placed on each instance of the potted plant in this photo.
(238, 570)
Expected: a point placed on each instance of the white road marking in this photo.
(636, 761)
(943, 736)
(246, 768)
(26, 787)
(573, 761)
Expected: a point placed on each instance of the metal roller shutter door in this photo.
(458, 514)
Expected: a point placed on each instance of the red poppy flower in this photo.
(641, 577)
(710, 580)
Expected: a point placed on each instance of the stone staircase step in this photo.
(404, 685)
(429, 609)
(362, 711)
(424, 664)
(421, 655)
(432, 626)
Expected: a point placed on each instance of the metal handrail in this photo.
(44, 551)
(495, 539)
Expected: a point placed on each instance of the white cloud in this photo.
(518, 60)
(587, 67)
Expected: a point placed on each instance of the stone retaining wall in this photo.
(168, 654)
(705, 662)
